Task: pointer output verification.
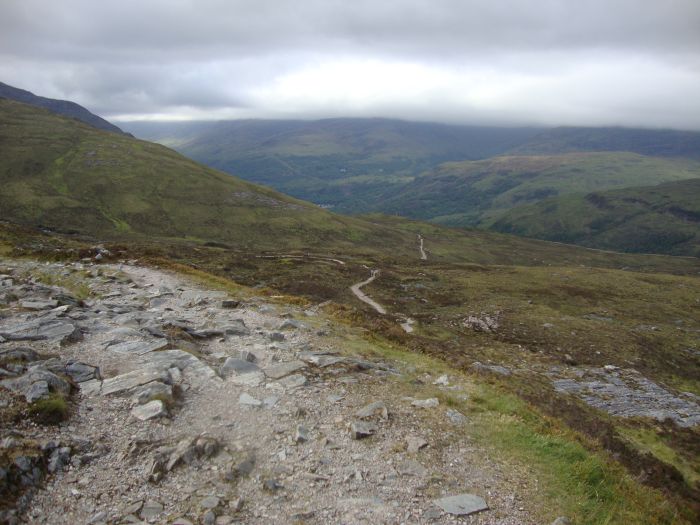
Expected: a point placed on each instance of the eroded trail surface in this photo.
(193, 406)
(356, 289)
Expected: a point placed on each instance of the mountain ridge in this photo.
(61, 107)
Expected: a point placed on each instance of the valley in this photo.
(577, 369)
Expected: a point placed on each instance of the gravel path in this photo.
(267, 417)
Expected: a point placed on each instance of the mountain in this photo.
(62, 107)
(62, 174)
(343, 163)
(650, 142)
(660, 219)
(475, 193)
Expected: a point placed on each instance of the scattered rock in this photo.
(462, 504)
(377, 408)
(456, 417)
(151, 410)
(426, 403)
(233, 365)
(490, 369)
(562, 520)
(415, 443)
(150, 510)
(362, 429)
(248, 400)
(280, 370)
(443, 380)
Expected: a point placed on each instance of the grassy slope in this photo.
(476, 192)
(663, 218)
(60, 173)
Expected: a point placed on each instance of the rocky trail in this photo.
(188, 405)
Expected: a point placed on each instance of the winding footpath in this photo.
(355, 288)
(423, 255)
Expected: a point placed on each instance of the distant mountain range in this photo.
(62, 107)
(452, 175)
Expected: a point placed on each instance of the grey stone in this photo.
(271, 485)
(252, 380)
(81, 372)
(209, 518)
(280, 370)
(411, 468)
(362, 429)
(443, 380)
(122, 384)
(230, 303)
(277, 336)
(294, 381)
(301, 434)
(415, 443)
(23, 354)
(37, 391)
(151, 410)
(233, 365)
(377, 408)
(290, 324)
(426, 403)
(321, 359)
(462, 504)
(138, 347)
(237, 327)
(490, 369)
(182, 521)
(562, 520)
(38, 304)
(42, 329)
(249, 356)
(210, 502)
(456, 417)
(151, 509)
(248, 400)
(240, 468)
(58, 459)
(153, 390)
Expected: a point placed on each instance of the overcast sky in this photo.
(552, 62)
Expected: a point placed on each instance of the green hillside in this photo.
(61, 174)
(343, 163)
(62, 107)
(477, 192)
(663, 218)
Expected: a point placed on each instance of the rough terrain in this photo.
(188, 405)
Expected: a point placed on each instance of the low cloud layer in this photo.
(553, 62)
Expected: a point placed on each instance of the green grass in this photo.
(662, 219)
(50, 410)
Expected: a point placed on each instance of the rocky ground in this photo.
(187, 405)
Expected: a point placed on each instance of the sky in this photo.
(499, 62)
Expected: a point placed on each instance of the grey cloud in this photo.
(159, 56)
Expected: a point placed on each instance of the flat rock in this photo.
(37, 391)
(81, 372)
(415, 443)
(377, 408)
(151, 509)
(150, 391)
(248, 400)
(455, 417)
(42, 329)
(138, 347)
(253, 379)
(293, 381)
(411, 468)
(426, 403)
(321, 359)
(280, 370)
(151, 410)
(237, 366)
(123, 383)
(38, 304)
(462, 504)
